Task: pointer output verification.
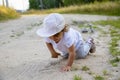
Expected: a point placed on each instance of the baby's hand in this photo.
(66, 68)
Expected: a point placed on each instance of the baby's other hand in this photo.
(66, 68)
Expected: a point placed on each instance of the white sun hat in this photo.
(52, 24)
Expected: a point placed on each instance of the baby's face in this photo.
(57, 37)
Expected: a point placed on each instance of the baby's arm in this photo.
(70, 58)
(54, 54)
(71, 55)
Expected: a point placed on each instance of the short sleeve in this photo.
(47, 40)
(69, 40)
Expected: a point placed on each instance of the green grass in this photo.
(115, 23)
(7, 13)
(115, 61)
(76, 77)
(103, 8)
(115, 38)
(105, 72)
(98, 77)
(115, 35)
(85, 68)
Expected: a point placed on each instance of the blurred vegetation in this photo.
(77, 77)
(48, 4)
(101, 8)
(7, 13)
(34, 4)
(115, 40)
(115, 35)
(98, 77)
(45, 4)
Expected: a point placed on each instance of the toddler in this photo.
(64, 41)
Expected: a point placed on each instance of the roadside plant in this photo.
(98, 77)
(77, 77)
(115, 61)
(105, 72)
(115, 38)
(85, 68)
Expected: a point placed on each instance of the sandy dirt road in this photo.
(24, 56)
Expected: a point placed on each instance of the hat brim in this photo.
(43, 33)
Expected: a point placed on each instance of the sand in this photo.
(24, 55)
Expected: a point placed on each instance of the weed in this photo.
(85, 68)
(94, 26)
(115, 61)
(114, 64)
(105, 72)
(98, 77)
(76, 77)
(81, 25)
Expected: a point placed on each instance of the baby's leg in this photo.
(83, 50)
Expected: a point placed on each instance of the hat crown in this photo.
(54, 22)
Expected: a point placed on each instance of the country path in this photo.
(24, 56)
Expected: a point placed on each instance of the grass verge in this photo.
(115, 39)
(7, 13)
(103, 8)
